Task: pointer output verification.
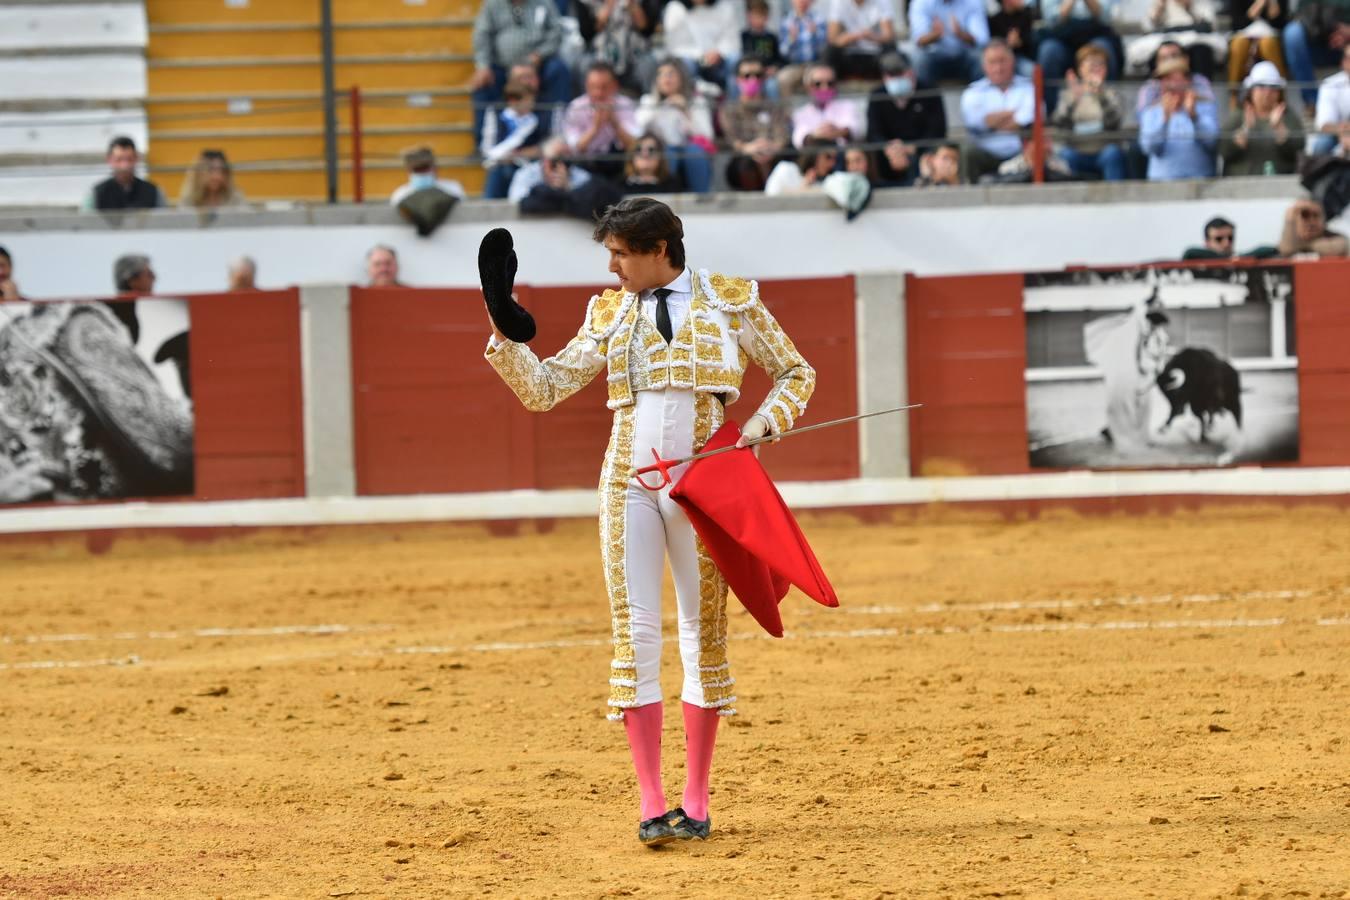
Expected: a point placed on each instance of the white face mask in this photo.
(421, 180)
(899, 87)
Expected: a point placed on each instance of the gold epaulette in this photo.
(605, 312)
(729, 293)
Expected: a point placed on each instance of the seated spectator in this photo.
(1015, 25)
(382, 267)
(1188, 23)
(1305, 231)
(803, 36)
(551, 169)
(1265, 136)
(508, 33)
(243, 274)
(899, 121)
(858, 161)
(1179, 132)
(1316, 36)
(705, 36)
(819, 157)
(619, 32)
(8, 289)
(1069, 24)
(425, 201)
(1256, 28)
(827, 115)
(601, 124)
(756, 128)
(648, 170)
(683, 122)
(996, 110)
(1220, 241)
(124, 190)
(948, 35)
(209, 184)
(941, 168)
(1333, 107)
(1088, 115)
(132, 277)
(1151, 92)
(512, 136)
(859, 31)
(758, 42)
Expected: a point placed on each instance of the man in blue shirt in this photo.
(997, 110)
(948, 35)
(1180, 131)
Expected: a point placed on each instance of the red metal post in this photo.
(1038, 129)
(358, 170)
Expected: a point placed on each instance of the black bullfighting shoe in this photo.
(686, 828)
(497, 276)
(656, 831)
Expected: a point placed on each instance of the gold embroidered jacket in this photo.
(726, 324)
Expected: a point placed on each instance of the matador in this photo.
(674, 343)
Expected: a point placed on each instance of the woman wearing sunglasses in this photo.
(647, 170)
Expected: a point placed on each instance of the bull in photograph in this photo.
(1200, 379)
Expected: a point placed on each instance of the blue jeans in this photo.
(1108, 162)
(933, 64)
(499, 181)
(1056, 58)
(1302, 55)
(692, 163)
(555, 88)
(1323, 144)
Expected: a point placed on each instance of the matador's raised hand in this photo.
(497, 275)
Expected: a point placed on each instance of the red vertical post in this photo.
(358, 171)
(1038, 129)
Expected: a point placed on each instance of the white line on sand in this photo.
(266, 631)
(854, 634)
(1096, 602)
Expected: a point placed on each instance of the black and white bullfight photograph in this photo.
(1159, 367)
(95, 401)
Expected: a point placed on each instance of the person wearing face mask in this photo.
(421, 165)
(901, 122)
(682, 120)
(756, 128)
(828, 115)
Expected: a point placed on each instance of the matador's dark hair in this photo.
(643, 223)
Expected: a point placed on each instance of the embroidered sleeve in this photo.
(543, 384)
(773, 351)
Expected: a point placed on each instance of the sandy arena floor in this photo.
(1067, 707)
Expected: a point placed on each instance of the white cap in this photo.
(1265, 74)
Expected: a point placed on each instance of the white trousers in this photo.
(653, 529)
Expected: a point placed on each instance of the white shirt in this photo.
(677, 302)
(983, 98)
(1333, 100)
(867, 17)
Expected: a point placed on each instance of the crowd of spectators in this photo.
(749, 82)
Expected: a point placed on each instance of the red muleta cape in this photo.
(749, 531)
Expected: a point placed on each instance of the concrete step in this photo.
(170, 12)
(39, 134)
(303, 73)
(113, 76)
(26, 27)
(421, 36)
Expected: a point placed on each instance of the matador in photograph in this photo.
(674, 342)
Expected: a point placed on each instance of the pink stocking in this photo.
(643, 724)
(700, 733)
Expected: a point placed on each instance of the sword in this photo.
(665, 465)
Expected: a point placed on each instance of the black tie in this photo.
(663, 313)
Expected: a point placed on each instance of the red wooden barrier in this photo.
(431, 416)
(247, 395)
(967, 357)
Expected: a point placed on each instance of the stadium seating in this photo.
(73, 76)
(247, 78)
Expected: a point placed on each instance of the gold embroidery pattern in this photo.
(542, 385)
(613, 513)
(773, 351)
(713, 670)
